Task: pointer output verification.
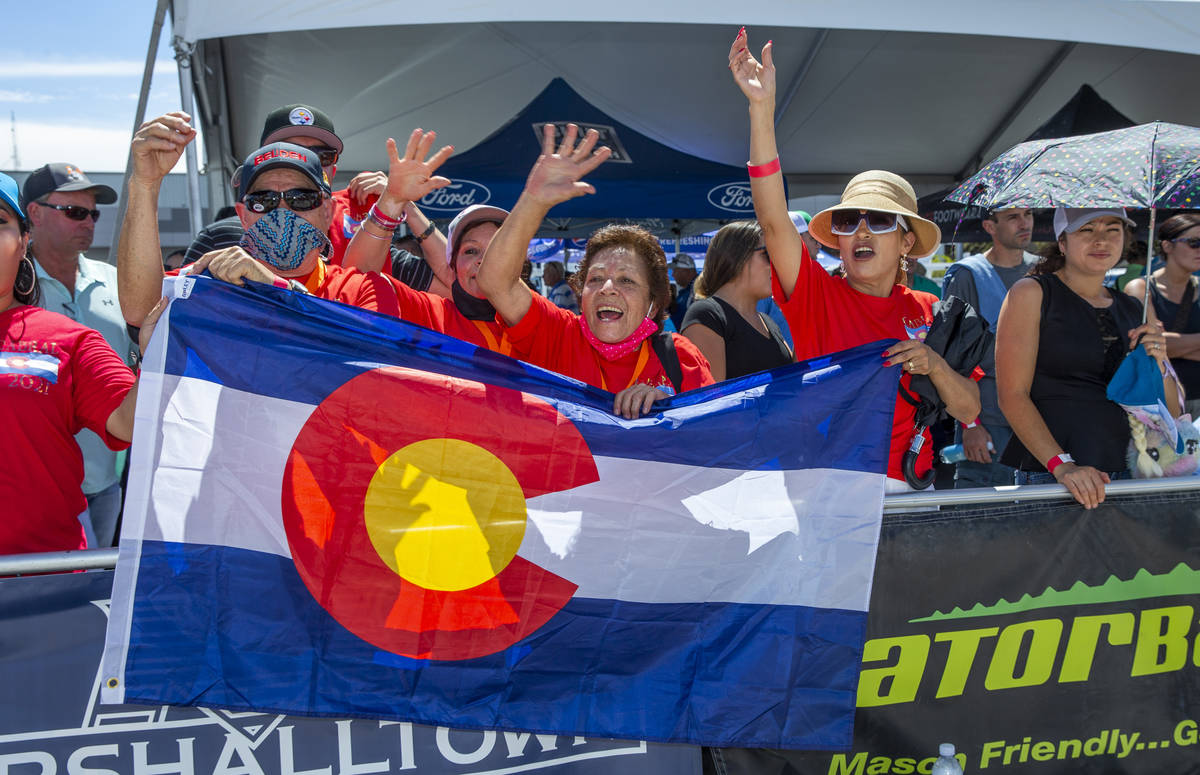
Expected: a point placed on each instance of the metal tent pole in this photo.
(183, 57)
(160, 13)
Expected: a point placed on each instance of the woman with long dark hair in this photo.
(724, 321)
(1175, 294)
(1059, 340)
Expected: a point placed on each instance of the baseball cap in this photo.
(276, 155)
(800, 220)
(61, 176)
(1071, 219)
(465, 220)
(10, 196)
(298, 119)
(682, 261)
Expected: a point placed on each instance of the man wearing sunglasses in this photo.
(310, 127)
(60, 201)
(983, 281)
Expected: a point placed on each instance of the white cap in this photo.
(1070, 219)
(946, 749)
(465, 220)
(800, 220)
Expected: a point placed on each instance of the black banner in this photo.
(51, 721)
(1037, 638)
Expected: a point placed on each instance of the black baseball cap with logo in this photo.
(275, 155)
(296, 120)
(61, 176)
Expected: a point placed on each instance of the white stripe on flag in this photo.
(687, 533)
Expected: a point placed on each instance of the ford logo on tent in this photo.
(456, 196)
(734, 197)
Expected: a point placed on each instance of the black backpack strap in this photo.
(664, 347)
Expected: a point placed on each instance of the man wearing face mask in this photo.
(285, 209)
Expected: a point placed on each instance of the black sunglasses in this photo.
(1191, 242)
(74, 212)
(298, 199)
(327, 155)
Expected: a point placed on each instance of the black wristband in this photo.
(425, 234)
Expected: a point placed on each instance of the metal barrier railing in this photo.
(100, 559)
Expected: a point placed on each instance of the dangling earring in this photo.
(25, 268)
(905, 263)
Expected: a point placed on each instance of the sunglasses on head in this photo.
(1191, 242)
(845, 222)
(327, 155)
(298, 199)
(74, 212)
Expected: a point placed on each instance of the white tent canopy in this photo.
(927, 89)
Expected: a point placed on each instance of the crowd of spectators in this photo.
(73, 328)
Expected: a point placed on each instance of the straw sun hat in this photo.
(883, 192)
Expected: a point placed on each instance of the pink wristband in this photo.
(763, 170)
(279, 282)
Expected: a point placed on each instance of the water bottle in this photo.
(946, 764)
(953, 453)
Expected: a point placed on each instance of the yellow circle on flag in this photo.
(445, 514)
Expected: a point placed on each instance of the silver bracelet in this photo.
(363, 229)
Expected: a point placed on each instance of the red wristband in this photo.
(1057, 461)
(969, 425)
(763, 170)
(279, 282)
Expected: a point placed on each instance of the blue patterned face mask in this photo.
(283, 239)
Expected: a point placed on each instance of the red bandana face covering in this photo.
(618, 350)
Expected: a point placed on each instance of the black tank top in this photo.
(1187, 369)
(1079, 350)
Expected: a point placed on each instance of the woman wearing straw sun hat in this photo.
(876, 228)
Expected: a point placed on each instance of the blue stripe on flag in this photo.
(249, 632)
(318, 345)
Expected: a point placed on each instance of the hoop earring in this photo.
(25, 268)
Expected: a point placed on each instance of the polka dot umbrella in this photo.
(1146, 166)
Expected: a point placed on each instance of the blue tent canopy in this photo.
(666, 190)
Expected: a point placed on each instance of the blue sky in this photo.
(71, 72)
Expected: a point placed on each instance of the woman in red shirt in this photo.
(623, 293)
(876, 228)
(56, 378)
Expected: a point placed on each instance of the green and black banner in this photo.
(1038, 638)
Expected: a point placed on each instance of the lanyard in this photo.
(504, 347)
(316, 277)
(643, 359)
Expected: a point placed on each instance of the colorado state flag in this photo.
(333, 512)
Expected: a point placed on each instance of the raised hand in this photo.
(755, 79)
(556, 175)
(158, 144)
(410, 178)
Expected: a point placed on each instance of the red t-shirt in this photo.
(826, 315)
(347, 215)
(56, 378)
(552, 338)
(369, 290)
(440, 314)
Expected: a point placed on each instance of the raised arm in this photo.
(555, 177)
(409, 179)
(157, 146)
(433, 248)
(757, 82)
